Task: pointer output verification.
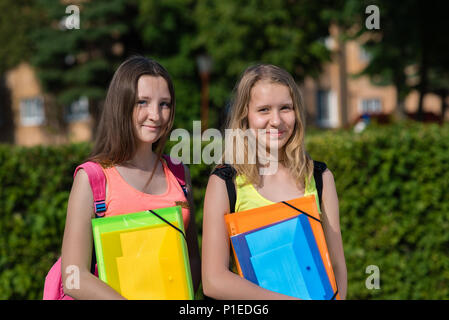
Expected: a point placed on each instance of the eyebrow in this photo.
(149, 98)
(281, 104)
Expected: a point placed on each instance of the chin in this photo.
(280, 142)
(149, 139)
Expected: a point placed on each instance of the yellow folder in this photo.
(143, 257)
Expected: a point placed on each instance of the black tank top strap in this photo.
(318, 169)
(227, 173)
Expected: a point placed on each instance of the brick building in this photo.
(334, 100)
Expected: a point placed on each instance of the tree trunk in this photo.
(422, 92)
(399, 83)
(7, 132)
(423, 68)
(400, 109)
(342, 73)
(443, 97)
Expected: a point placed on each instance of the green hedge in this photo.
(392, 184)
(35, 186)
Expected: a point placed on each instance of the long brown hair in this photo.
(294, 154)
(116, 138)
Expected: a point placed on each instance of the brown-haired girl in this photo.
(266, 100)
(136, 119)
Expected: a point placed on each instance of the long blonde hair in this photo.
(294, 154)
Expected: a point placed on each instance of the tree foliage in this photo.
(72, 63)
(407, 50)
(17, 19)
(240, 33)
(167, 29)
(80, 62)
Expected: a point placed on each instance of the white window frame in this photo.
(370, 105)
(32, 112)
(364, 55)
(78, 110)
(331, 105)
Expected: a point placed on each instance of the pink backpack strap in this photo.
(97, 182)
(178, 171)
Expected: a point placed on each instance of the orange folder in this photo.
(244, 221)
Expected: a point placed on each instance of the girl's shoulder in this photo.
(224, 171)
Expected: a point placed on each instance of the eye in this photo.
(141, 102)
(263, 109)
(165, 104)
(286, 107)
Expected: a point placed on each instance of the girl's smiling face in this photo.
(152, 110)
(271, 109)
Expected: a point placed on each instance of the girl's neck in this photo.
(144, 159)
(278, 158)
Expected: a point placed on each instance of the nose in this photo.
(153, 112)
(275, 119)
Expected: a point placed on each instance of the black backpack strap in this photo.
(318, 169)
(227, 173)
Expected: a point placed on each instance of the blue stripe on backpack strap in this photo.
(184, 189)
(100, 208)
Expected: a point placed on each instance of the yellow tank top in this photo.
(247, 197)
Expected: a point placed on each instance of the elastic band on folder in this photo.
(168, 223)
(335, 294)
(288, 204)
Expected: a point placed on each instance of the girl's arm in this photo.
(331, 226)
(192, 236)
(77, 246)
(218, 281)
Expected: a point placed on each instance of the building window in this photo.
(364, 55)
(78, 110)
(327, 109)
(370, 106)
(32, 112)
(328, 42)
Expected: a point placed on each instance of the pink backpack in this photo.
(53, 287)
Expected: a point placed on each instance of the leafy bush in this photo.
(35, 186)
(391, 183)
(394, 208)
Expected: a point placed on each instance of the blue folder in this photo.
(284, 257)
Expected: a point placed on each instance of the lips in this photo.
(151, 128)
(275, 133)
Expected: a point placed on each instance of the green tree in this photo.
(408, 39)
(390, 48)
(17, 19)
(434, 61)
(240, 33)
(168, 30)
(391, 56)
(80, 62)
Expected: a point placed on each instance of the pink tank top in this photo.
(122, 198)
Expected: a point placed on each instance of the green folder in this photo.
(142, 256)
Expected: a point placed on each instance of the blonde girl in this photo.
(266, 100)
